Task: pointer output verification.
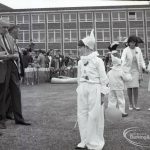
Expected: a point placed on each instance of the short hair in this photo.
(11, 28)
(80, 43)
(132, 38)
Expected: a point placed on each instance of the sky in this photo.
(21, 4)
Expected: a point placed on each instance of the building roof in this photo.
(124, 7)
(4, 8)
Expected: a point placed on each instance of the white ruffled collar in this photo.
(118, 68)
(85, 59)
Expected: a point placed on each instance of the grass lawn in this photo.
(51, 108)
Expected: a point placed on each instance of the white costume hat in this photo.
(90, 40)
(113, 44)
(115, 60)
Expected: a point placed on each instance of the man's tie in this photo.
(6, 45)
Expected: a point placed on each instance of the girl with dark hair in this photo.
(133, 63)
(108, 63)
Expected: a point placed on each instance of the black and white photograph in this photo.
(74, 75)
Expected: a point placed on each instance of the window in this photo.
(69, 52)
(10, 19)
(21, 19)
(137, 32)
(38, 36)
(147, 15)
(54, 36)
(70, 35)
(70, 17)
(24, 36)
(84, 33)
(101, 17)
(103, 35)
(119, 34)
(118, 16)
(85, 17)
(38, 18)
(54, 18)
(136, 16)
(148, 35)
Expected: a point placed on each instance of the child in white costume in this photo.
(92, 81)
(148, 70)
(116, 82)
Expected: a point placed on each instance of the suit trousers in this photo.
(2, 101)
(9, 108)
(12, 83)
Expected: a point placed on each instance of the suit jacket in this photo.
(3, 63)
(127, 59)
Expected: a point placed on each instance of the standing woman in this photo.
(133, 62)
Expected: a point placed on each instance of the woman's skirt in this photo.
(135, 80)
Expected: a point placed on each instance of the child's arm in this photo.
(103, 77)
(148, 67)
(79, 72)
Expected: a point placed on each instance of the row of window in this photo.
(83, 17)
(102, 35)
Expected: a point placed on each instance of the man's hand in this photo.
(13, 56)
(3, 57)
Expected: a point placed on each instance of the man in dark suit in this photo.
(13, 31)
(10, 78)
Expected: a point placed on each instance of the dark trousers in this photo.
(12, 83)
(9, 108)
(2, 102)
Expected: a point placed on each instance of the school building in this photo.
(61, 28)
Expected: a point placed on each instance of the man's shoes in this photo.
(2, 125)
(9, 117)
(23, 123)
(124, 115)
(83, 148)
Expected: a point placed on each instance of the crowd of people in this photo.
(53, 63)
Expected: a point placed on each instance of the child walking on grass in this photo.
(116, 82)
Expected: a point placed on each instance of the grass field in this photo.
(51, 108)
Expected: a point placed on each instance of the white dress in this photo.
(135, 75)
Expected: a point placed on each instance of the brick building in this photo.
(61, 28)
